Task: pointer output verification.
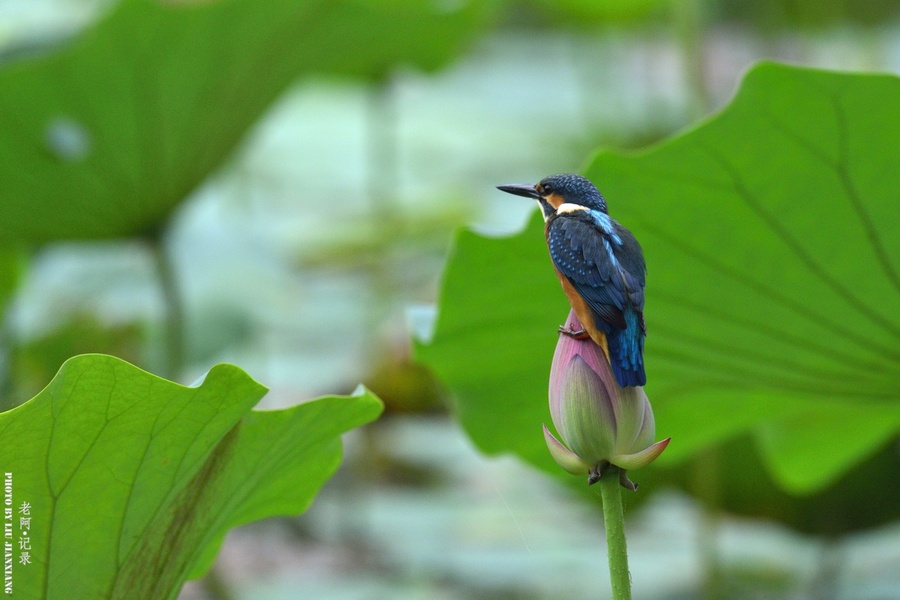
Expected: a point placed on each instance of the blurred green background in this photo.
(277, 185)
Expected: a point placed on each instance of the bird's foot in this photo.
(578, 334)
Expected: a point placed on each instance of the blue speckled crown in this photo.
(576, 190)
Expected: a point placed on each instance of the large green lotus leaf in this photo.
(107, 135)
(772, 243)
(773, 246)
(499, 308)
(133, 480)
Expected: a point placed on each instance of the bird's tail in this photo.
(626, 352)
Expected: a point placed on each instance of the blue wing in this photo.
(605, 265)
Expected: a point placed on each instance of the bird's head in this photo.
(553, 191)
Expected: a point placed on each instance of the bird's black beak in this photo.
(520, 189)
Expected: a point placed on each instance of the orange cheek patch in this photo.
(555, 200)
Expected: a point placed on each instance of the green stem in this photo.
(382, 171)
(827, 576)
(7, 401)
(689, 17)
(174, 326)
(15, 262)
(614, 519)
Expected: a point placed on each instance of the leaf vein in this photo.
(791, 242)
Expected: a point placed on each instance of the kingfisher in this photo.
(601, 267)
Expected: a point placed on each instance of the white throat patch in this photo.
(566, 208)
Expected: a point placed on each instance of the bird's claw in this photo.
(578, 334)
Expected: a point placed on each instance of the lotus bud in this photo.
(600, 423)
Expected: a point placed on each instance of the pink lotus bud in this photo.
(600, 423)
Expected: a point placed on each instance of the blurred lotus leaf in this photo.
(105, 136)
(773, 17)
(582, 11)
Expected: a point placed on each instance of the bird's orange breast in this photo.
(583, 311)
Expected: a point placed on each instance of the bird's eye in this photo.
(546, 189)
